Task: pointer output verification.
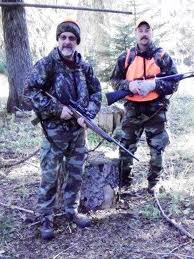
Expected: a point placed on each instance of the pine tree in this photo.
(105, 57)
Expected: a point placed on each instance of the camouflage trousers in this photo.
(62, 145)
(151, 118)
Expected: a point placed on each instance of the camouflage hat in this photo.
(69, 26)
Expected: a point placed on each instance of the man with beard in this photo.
(63, 73)
(146, 104)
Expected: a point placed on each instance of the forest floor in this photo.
(133, 229)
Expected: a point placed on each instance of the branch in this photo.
(165, 255)
(99, 144)
(11, 4)
(55, 215)
(172, 221)
(178, 247)
(21, 161)
(59, 254)
(13, 207)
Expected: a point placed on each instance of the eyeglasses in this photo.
(64, 37)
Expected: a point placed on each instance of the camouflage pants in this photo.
(135, 122)
(68, 144)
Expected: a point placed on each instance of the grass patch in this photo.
(7, 226)
(20, 137)
(149, 211)
(3, 67)
(94, 139)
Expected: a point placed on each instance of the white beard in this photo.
(67, 52)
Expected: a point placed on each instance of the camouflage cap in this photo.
(69, 26)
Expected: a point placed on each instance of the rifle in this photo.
(80, 112)
(119, 94)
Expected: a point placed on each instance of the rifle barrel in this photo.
(126, 150)
(99, 131)
(120, 94)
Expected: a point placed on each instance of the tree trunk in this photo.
(90, 24)
(109, 118)
(17, 53)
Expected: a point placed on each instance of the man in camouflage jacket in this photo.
(146, 105)
(63, 74)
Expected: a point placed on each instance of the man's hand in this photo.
(146, 86)
(66, 113)
(81, 122)
(133, 86)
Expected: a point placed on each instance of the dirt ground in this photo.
(133, 229)
(128, 230)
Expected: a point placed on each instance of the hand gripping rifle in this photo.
(80, 112)
(117, 95)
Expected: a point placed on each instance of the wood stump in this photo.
(109, 118)
(100, 182)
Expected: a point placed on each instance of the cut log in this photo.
(105, 120)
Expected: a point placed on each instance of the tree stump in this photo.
(109, 118)
(100, 182)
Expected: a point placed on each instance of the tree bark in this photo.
(109, 118)
(90, 24)
(100, 182)
(17, 53)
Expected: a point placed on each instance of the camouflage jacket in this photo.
(165, 63)
(59, 78)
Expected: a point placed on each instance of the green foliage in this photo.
(175, 205)
(94, 140)
(3, 67)
(149, 211)
(23, 192)
(20, 137)
(104, 58)
(181, 118)
(6, 226)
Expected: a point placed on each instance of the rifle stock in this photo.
(113, 97)
(119, 94)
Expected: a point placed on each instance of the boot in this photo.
(152, 188)
(80, 220)
(153, 179)
(125, 173)
(126, 181)
(126, 177)
(46, 229)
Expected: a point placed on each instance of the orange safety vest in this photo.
(136, 70)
